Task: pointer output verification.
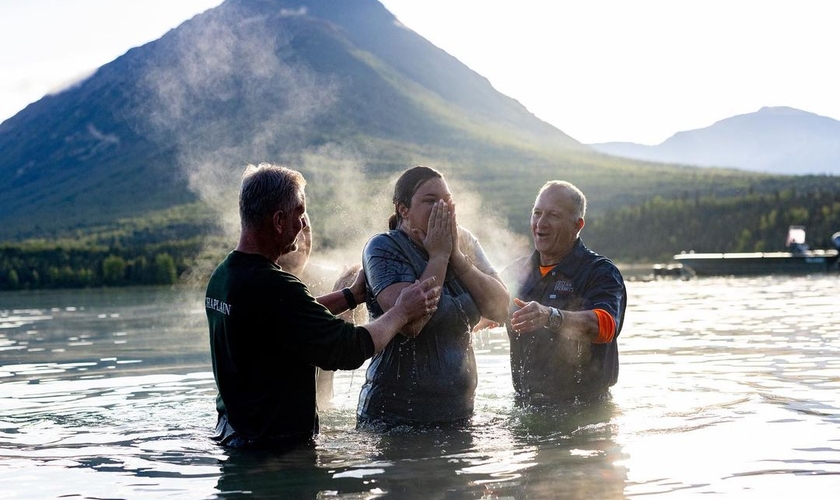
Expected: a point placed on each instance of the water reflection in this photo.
(573, 452)
(728, 388)
(267, 474)
(537, 453)
(121, 437)
(95, 333)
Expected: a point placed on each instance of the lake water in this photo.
(729, 388)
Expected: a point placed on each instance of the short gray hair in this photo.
(265, 189)
(576, 195)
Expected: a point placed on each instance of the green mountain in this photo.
(149, 149)
(246, 82)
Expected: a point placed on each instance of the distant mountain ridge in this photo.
(248, 81)
(778, 140)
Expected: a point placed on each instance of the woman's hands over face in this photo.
(438, 239)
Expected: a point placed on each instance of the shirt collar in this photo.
(569, 263)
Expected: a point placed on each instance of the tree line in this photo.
(42, 265)
(660, 227)
(652, 231)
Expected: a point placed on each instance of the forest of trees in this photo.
(36, 265)
(650, 232)
(752, 222)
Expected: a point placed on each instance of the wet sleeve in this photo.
(606, 327)
(607, 292)
(385, 264)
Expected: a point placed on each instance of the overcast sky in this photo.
(599, 70)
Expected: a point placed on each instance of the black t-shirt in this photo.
(267, 334)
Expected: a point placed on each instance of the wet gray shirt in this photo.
(430, 378)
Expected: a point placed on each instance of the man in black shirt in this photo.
(267, 331)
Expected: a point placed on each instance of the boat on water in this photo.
(799, 259)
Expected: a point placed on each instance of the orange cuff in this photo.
(606, 327)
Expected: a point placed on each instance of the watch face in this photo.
(555, 319)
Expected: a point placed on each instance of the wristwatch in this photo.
(555, 319)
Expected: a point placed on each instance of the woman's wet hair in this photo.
(408, 184)
(265, 189)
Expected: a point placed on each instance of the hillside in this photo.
(148, 151)
(777, 140)
(246, 82)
